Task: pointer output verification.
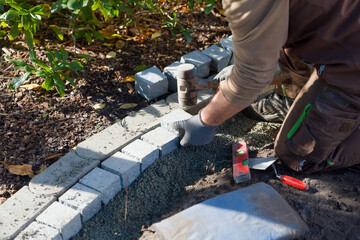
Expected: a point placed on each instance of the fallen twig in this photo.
(54, 156)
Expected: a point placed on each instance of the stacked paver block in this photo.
(20, 210)
(61, 175)
(147, 118)
(220, 57)
(200, 61)
(105, 143)
(171, 73)
(82, 199)
(62, 218)
(107, 183)
(39, 231)
(151, 83)
(228, 45)
(142, 151)
(125, 166)
(168, 121)
(164, 140)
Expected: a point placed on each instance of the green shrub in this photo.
(23, 17)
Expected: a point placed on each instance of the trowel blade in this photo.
(261, 163)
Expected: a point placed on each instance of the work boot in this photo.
(270, 108)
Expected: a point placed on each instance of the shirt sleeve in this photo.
(259, 29)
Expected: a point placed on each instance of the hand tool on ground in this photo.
(296, 183)
(242, 165)
(188, 85)
(241, 171)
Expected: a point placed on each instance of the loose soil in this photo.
(36, 125)
(191, 175)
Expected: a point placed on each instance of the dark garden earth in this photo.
(38, 127)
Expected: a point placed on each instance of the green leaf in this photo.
(75, 66)
(58, 55)
(29, 38)
(88, 14)
(2, 33)
(60, 90)
(19, 67)
(58, 81)
(17, 82)
(209, 6)
(38, 10)
(123, 8)
(49, 83)
(78, 35)
(64, 54)
(51, 58)
(104, 12)
(35, 16)
(10, 15)
(32, 53)
(187, 35)
(58, 5)
(42, 73)
(97, 35)
(30, 69)
(15, 6)
(25, 20)
(23, 12)
(95, 5)
(141, 67)
(85, 56)
(16, 62)
(41, 64)
(75, 4)
(88, 37)
(60, 65)
(57, 31)
(14, 31)
(67, 77)
(191, 4)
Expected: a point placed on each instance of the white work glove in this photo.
(223, 74)
(196, 132)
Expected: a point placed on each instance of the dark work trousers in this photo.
(322, 128)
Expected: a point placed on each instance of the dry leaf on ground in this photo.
(128, 105)
(55, 156)
(128, 79)
(156, 35)
(21, 170)
(32, 86)
(98, 106)
(130, 87)
(111, 55)
(120, 44)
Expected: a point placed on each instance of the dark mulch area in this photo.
(36, 125)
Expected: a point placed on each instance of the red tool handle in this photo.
(294, 182)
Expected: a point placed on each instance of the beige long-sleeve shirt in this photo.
(259, 29)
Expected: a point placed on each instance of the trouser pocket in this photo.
(327, 123)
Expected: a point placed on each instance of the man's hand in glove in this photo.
(201, 128)
(196, 132)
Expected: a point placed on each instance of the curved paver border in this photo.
(31, 206)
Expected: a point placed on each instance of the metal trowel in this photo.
(242, 163)
(261, 163)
